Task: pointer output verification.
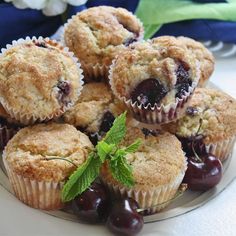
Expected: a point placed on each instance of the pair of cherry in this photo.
(121, 217)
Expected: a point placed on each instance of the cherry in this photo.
(148, 91)
(107, 122)
(183, 79)
(124, 218)
(203, 174)
(92, 205)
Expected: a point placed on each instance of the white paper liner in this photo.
(6, 133)
(157, 114)
(223, 149)
(30, 118)
(41, 195)
(152, 200)
(98, 71)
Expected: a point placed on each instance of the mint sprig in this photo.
(106, 150)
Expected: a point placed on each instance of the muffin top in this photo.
(88, 113)
(97, 34)
(151, 73)
(202, 54)
(38, 80)
(211, 113)
(156, 162)
(28, 153)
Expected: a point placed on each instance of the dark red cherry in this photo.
(124, 218)
(148, 91)
(92, 206)
(107, 122)
(183, 80)
(203, 175)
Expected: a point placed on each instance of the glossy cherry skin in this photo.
(92, 205)
(124, 218)
(201, 176)
(149, 91)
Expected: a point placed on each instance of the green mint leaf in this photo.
(121, 171)
(82, 178)
(117, 131)
(104, 149)
(133, 147)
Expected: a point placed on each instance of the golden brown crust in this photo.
(156, 163)
(96, 99)
(216, 109)
(97, 34)
(29, 151)
(29, 80)
(151, 59)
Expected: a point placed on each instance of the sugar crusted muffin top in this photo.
(97, 34)
(96, 99)
(211, 113)
(38, 79)
(155, 163)
(28, 153)
(170, 65)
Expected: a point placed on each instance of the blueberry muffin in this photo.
(158, 169)
(202, 54)
(39, 80)
(39, 158)
(95, 110)
(155, 80)
(209, 122)
(98, 34)
(8, 127)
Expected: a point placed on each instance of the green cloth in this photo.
(155, 13)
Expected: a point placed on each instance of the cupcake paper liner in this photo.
(29, 118)
(41, 195)
(223, 149)
(157, 114)
(98, 71)
(152, 200)
(6, 133)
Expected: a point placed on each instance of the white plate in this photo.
(188, 202)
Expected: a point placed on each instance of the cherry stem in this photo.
(62, 159)
(179, 193)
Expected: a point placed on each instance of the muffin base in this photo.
(41, 195)
(151, 201)
(223, 149)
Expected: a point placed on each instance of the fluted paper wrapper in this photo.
(41, 195)
(152, 200)
(29, 118)
(222, 149)
(157, 114)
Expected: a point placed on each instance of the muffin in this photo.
(8, 127)
(209, 122)
(98, 34)
(95, 110)
(158, 169)
(38, 160)
(39, 80)
(155, 80)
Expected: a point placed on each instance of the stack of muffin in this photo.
(159, 81)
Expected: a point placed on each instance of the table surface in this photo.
(217, 217)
